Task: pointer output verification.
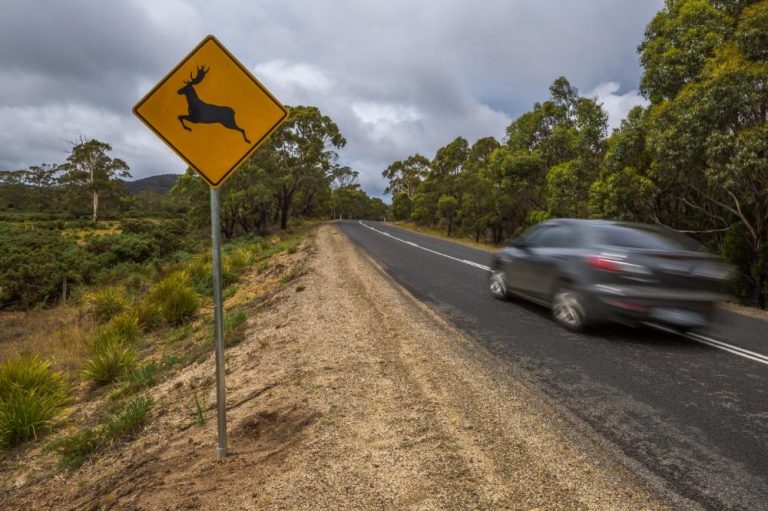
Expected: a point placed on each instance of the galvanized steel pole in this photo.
(218, 322)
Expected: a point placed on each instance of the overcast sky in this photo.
(398, 77)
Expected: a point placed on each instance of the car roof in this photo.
(600, 223)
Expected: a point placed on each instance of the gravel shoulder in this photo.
(350, 394)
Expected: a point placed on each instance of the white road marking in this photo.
(751, 355)
(463, 261)
(735, 350)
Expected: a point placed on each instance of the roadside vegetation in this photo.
(695, 159)
(104, 295)
(77, 378)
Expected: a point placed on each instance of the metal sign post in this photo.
(218, 325)
(214, 114)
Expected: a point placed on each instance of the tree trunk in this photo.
(758, 272)
(285, 206)
(95, 216)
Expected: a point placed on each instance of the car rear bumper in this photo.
(680, 308)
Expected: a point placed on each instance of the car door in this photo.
(547, 251)
(514, 260)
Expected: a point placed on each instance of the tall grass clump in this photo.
(125, 327)
(107, 302)
(238, 260)
(112, 351)
(148, 314)
(31, 395)
(175, 298)
(110, 358)
(201, 275)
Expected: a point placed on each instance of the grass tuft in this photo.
(31, 395)
(124, 327)
(73, 450)
(149, 315)
(175, 298)
(109, 361)
(198, 412)
(234, 320)
(128, 421)
(106, 303)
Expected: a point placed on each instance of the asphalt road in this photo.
(694, 414)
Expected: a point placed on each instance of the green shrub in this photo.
(107, 275)
(33, 264)
(169, 235)
(106, 303)
(113, 249)
(110, 360)
(175, 298)
(31, 395)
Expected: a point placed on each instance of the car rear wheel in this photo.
(497, 286)
(568, 309)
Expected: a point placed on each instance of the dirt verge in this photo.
(349, 394)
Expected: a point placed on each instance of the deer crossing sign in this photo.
(211, 111)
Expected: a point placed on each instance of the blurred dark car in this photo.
(593, 271)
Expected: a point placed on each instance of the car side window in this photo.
(560, 236)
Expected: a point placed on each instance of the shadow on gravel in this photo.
(270, 432)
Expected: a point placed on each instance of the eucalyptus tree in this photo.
(301, 154)
(90, 168)
(706, 64)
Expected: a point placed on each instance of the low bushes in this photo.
(33, 265)
(31, 395)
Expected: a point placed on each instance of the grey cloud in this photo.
(465, 68)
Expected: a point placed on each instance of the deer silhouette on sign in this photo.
(200, 112)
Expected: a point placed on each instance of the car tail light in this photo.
(615, 263)
(603, 263)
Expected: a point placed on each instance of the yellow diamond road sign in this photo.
(211, 111)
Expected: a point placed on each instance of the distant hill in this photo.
(161, 184)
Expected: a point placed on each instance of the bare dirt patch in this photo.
(347, 394)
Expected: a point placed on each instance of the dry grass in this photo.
(437, 233)
(56, 334)
(104, 228)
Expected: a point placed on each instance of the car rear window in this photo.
(650, 238)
